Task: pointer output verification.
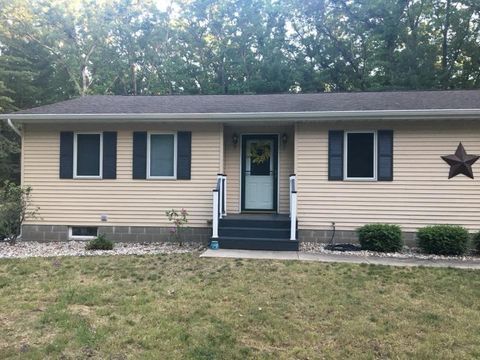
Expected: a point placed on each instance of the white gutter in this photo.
(15, 129)
(432, 114)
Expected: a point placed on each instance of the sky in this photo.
(163, 4)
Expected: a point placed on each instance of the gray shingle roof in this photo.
(355, 101)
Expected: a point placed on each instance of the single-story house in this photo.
(253, 171)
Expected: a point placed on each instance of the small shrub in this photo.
(443, 239)
(15, 208)
(100, 243)
(380, 237)
(179, 219)
(476, 242)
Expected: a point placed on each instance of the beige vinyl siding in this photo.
(420, 194)
(232, 163)
(125, 201)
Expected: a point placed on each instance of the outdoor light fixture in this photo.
(284, 138)
(235, 139)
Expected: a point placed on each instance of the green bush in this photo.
(476, 241)
(443, 239)
(100, 243)
(380, 237)
(15, 208)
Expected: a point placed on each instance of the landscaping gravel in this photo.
(77, 248)
(407, 253)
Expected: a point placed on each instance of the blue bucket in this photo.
(214, 245)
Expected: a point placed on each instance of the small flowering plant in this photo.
(179, 221)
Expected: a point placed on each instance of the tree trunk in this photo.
(85, 78)
(84, 81)
(134, 79)
(446, 27)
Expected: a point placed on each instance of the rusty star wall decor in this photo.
(460, 162)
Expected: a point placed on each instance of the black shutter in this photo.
(385, 155)
(139, 170)
(335, 155)
(109, 155)
(66, 155)
(184, 155)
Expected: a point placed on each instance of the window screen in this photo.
(360, 155)
(162, 154)
(88, 154)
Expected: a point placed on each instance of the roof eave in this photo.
(431, 114)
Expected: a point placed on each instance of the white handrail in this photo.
(224, 207)
(293, 207)
(219, 209)
(220, 195)
(215, 215)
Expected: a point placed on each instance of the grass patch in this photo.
(180, 306)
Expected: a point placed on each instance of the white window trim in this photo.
(345, 156)
(174, 177)
(79, 237)
(75, 150)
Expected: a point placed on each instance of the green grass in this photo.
(183, 307)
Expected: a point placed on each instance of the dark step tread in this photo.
(254, 233)
(236, 238)
(258, 244)
(249, 233)
(283, 219)
(253, 228)
(254, 223)
(260, 217)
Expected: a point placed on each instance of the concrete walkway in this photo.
(340, 258)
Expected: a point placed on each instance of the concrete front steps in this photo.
(256, 232)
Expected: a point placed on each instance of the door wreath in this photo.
(260, 152)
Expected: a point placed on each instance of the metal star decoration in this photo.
(460, 162)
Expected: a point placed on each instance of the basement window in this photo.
(83, 232)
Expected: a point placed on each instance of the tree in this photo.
(78, 47)
(52, 50)
(6, 101)
(9, 155)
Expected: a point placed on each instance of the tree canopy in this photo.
(52, 50)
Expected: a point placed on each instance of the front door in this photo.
(259, 172)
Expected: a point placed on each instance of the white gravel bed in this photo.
(407, 253)
(77, 248)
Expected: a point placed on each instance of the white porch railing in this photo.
(219, 203)
(293, 207)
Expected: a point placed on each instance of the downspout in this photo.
(15, 129)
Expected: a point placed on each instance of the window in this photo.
(161, 156)
(87, 155)
(360, 155)
(83, 232)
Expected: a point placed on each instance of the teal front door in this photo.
(259, 172)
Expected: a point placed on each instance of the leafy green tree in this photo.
(9, 155)
(52, 50)
(6, 101)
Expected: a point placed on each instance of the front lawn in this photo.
(183, 307)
